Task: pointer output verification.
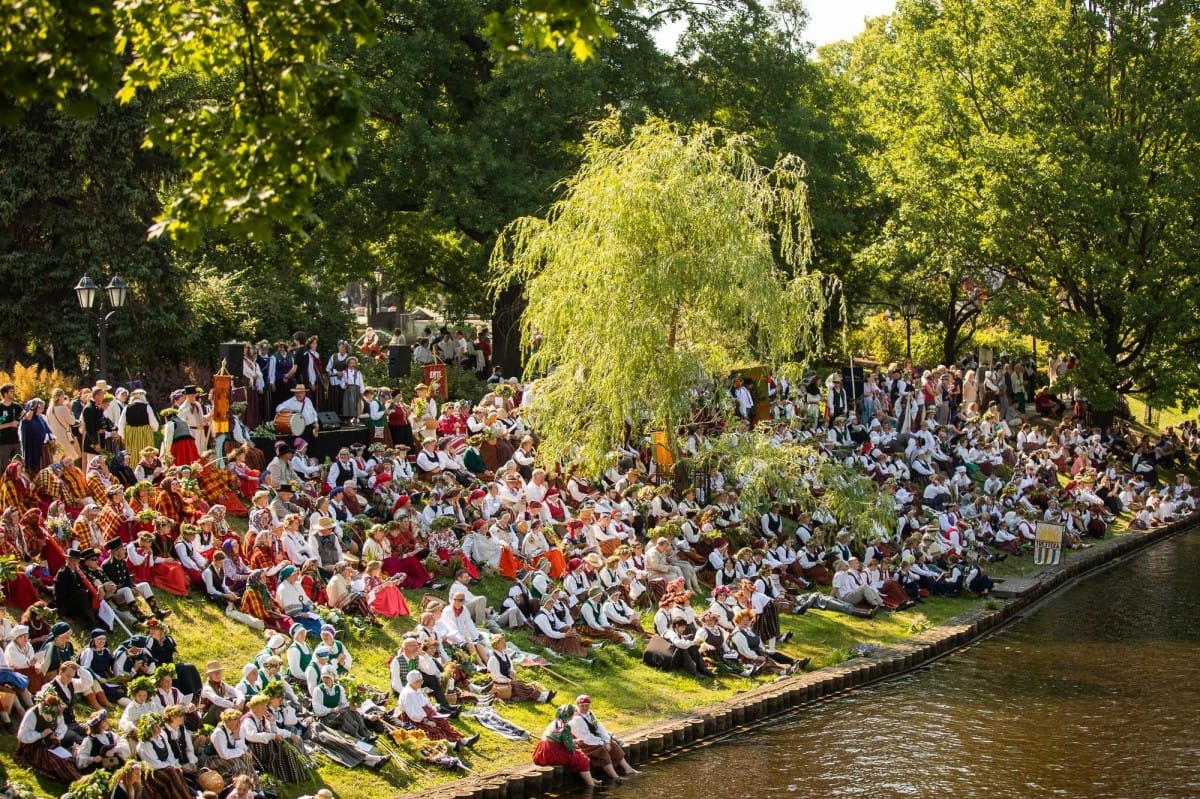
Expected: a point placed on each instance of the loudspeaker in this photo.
(328, 420)
(231, 353)
(399, 361)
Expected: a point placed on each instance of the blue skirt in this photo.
(15, 679)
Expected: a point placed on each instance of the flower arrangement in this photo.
(419, 407)
(94, 786)
(147, 515)
(8, 568)
(442, 523)
(505, 390)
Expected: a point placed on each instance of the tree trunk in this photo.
(506, 330)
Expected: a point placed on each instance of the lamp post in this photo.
(908, 309)
(87, 292)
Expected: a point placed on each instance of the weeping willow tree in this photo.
(670, 259)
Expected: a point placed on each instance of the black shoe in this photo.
(469, 741)
(450, 710)
(783, 639)
(550, 696)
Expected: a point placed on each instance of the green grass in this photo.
(624, 693)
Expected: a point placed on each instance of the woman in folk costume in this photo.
(415, 709)
(310, 372)
(177, 439)
(254, 381)
(160, 572)
(98, 481)
(16, 489)
(385, 598)
(19, 591)
(270, 746)
(164, 778)
(558, 748)
(43, 729)
(38, 542)
(505, 685)
(374, 417)
(246, 476)
(217, 486)
(36, 437)
(74, 488)
(137, 424)
(406, 555)
(231, 750)
(332, 707)
(353, 389)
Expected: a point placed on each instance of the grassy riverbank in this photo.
(625, 693)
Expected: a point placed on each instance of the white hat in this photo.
(413, 677)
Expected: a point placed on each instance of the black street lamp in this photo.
(908, 309)
(87, 292)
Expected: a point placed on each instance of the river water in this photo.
(1096, 694)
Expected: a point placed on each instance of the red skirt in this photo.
(415, 574)
(558, 562)
(389, 602)
(508, 564)
(170, 577)
(184, 452)
(552, 753)
(19, 592)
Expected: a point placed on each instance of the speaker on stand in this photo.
(399, 361)
(231, 353)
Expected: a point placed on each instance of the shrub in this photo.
(33, 381)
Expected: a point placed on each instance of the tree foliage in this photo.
(1049, 151)
(657, 270)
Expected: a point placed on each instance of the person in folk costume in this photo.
(35, 434)
(73, 488)
(117, 572)
(192, 413)
(172, 504)
(310, 370)
(164, 777)
(271, 747)
(551, 632)
(102, 748)
(64, 425)
(177, 438)
(281, 375)
(600, 745)
(398, 421)
(98, 662)
(176, 726)
(160, 572)
(43, 729)
(137, 423)
(248, 477)
(116, 519)
(253, 379)
(216, 695)
(353, 390)
(18, 591)
(332, 707)
(16, 488)
(374, 417)
(302, 404)
(384, 596)
(188, 555)
(99, 478)
(217, 486)
(504, 681)
(559, 748)
(336, 367)
(74, 595)
(344, 597)
(415, 709)
(258, 603)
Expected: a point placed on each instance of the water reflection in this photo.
(1094, 695)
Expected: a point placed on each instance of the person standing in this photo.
(137, 423)
(10, 421)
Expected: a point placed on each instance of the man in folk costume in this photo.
(300, 403)
(74, 595)
(192, 412)
(116, 570)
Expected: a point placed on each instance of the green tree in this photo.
(655, 271)
(1048, 151)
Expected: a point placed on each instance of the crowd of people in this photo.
(455, 492)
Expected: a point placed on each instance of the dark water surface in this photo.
(1096, 694)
